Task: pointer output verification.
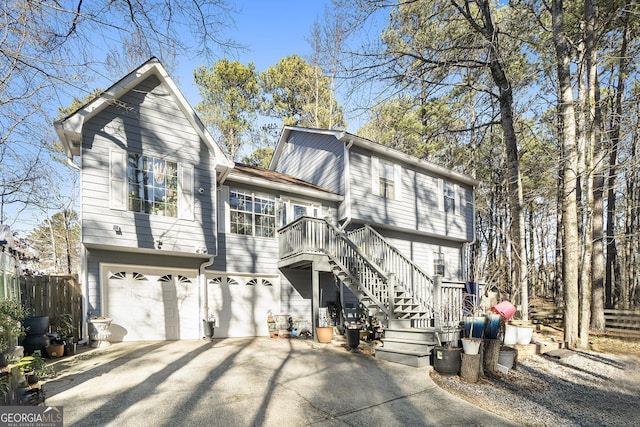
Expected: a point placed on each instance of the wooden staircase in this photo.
(390, 285)
(388, 299)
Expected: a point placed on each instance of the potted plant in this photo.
(64, 327)
(12, 314)
(324, 331)
(447, 358)
(34, 368)
(474, 329)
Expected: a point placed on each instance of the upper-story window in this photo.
(449, 195)
(252, 214)
(152, 185)
(438, 264)
(387, 180)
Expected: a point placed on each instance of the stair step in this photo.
(422, 335)
(417, 359)
(408, 345)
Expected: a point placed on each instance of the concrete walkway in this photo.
(250, 382)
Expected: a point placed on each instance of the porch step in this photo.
(425, 335)
(417, 359)
(408, 346)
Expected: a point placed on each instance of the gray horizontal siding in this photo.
(422, 253)
(246, 254)
(314, 158)
(146, 120)
(419, 207)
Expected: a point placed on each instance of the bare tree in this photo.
(53, 51)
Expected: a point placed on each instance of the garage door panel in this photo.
(241, 305)
(153, 305)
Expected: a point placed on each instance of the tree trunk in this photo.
(598, 260)
(470, 368)
(570, 237)
(491, 354)
(516, 203)
(611, 261)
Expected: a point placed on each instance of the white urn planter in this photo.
(99, 332)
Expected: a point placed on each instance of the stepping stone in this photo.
(560, 353)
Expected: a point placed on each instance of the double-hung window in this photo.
(252, 214)
(449, 195)
(438, 264)
(387, 180)
(152, 185)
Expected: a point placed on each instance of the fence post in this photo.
(437, 303)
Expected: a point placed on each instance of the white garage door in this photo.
(147, 304)
(241, 304)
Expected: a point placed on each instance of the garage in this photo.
(151, 304)
(241, 303)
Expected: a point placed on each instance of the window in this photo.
(152, 185)
(252, 215)
(449, 197)
(387, 181)
(299, 211)
(438, 264)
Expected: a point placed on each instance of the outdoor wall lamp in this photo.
(117, 229)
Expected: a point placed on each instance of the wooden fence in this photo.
(621, 322)
(54, 295)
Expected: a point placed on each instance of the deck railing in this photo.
(408, 274)
(369, 260)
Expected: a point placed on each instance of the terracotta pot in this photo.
(55, 350)
(324, 334)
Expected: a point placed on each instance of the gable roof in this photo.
(268, 178)
(69, 129)
(349, 138)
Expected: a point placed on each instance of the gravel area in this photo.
(583, 389)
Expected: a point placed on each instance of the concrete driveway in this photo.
(250, 382)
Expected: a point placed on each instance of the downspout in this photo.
(84, 277)
(347, 186)
(204, 295)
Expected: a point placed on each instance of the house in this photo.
(174, 232)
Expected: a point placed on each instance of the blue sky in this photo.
(270, 30)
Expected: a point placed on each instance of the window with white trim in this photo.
(449, 195)
(387, 180)
(252, 214)
(152, 185)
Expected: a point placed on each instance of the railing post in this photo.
(391, 286)
(437, 303)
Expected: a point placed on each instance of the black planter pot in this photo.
(36, 325)
(70, 348)
(447, 360)
(353, 338)
(32, 343)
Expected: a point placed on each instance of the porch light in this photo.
(117, 229)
